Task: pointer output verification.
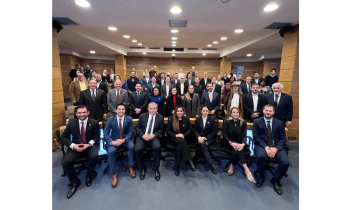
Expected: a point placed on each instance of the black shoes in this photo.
(190, 162)
(212, 168)
(260, 182)
(156, 174)
(73, 189)
(277, 187)
(88, 181)
(142, 174)
(176, 170)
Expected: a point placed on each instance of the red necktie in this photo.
(120, 128)
(174, 98)
(117, 95)
(82, 134)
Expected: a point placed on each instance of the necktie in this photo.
(120, 128)
(276, 100)
(138, 96)
(270, 144)
(82, 133)
(167, 90)
(211, 97)
(248, 87)
(117, 95)
(93, 95)
(150, 126)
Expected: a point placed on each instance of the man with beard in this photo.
(131, 82)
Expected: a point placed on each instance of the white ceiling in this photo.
(147, 21)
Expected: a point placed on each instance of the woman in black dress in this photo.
(235, 137)
(173, 100)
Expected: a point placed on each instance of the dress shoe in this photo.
(277, 187)
(73, 189)
(156, 174)
(190, 162)
(114, 180)
(142, 174)
(88, 181)
(176, 170)
(132, 172)
(212, 168)
(260, 182)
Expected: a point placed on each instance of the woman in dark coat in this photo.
(191, 103)
(173, 100)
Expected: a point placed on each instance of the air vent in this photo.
(171, 49)
(278, 25)
(154, 48)
(64, 21)
(137, 48)
(209, 48)
(177, 23)
(192, 48)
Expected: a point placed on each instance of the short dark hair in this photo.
(152, 94)
(255, 84)
(80, 107)
(256, 72)
(262, 80)
(138, 83)
(273, 69)
(269, 105)
(120, 104)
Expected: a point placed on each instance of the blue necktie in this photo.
(93, 95)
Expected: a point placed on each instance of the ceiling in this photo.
(147, 21)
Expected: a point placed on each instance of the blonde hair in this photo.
(236, 108)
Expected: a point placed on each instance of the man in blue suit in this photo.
(152, 85)
(245, 87)
(211, 99)
(119, 131)
(138, 101)
(270, 139)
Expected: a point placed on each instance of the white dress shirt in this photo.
(235, 101)
(255, 101)
(149, 122)
(204, 121)
(92, 142)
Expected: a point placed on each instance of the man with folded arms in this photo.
(85, 134)
(119, 131)
(270, 140)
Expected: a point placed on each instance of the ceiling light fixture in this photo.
(92, 52)
(173, 42)
(139, 44)
(174, 45)
(248, 55)
(173, 38)
(134, 40)
(173, 54)
(237, 31)
(209, 45)
(271, 7)
(126, 36)
(176, 9)
(144, 53)
(173, 50)
(174, 31)
(112, 28)
(215, 42)
(82, 3)
(204, 54)
(223, 38)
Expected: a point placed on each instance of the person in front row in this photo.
(148, 130)
(270, 139)
(179, 130)
(235, 137)
(85, 134)
(119, 131)
(173, 100)
(205, 130)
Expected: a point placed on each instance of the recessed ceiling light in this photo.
(204, 54)
(173, 50)
(174, 31)
(173, 38)
(176, 10)
(112, 28)
(174, 45)
(173, 42)
(92, 52)
(126, 36)
(223, 38)
(271, 7)
(215, 42)
(134, 40)
(82, 3)
(209, 45)
(173, 54)
(144, 53)
(139, 44)
(238, 31)
(248, 55)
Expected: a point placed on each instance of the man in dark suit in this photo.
(131, 82)
(181, 86)
(119, 131)
(165, 90)
(253, 104)
(145, 81)
(73, 72)
(85, 134)
(189, 80)
(161, 80)
(270, 139)
(240, 79)
(88, 72)
(152, 85)
(246, 86)
(101, 84)
(138, 101)
(116, 96)
(191, 72)
(272, 78)
(205, 80)
(95, 99)
(216, 87)
(198, 88)
(282, 102)
(256, 78)
(148, 130)
(175, 80)
(225, 78)
(211, 100)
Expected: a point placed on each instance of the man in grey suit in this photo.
(166, 88)
(152, 85)
(117, 96)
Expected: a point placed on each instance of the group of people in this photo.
(180, 100)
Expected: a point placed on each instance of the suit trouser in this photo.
(140, 145)
(238, 155)
(71, 155)
(205, 151)
(112, 155)
(282, 160)
(182, 151)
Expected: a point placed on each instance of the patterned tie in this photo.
(117, 95)
(270, 144)
(120, 128)
(93, 95)
(82, 133)
(150, 126)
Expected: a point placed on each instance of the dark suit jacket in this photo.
(111, 131)
(209, 131)
(217, 89)
(140, 103)
(73, 73)
(92, 132)
(202, 82)
(145, 83)
(229, 132)
(142, 125)
(150, 88)
(170, 104)
(173, 81)
(248, 106)
(192, 81)
(214, 105)
(284, 109)
(186, 126)
(225, 80)
(261, 136)
(178, 88)
(244, 88)
(103, 86)
(159, 81)
(192, 107)
(98, 107)
(253, 80)
(163, 89)
(88, 74)
(198, 89)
